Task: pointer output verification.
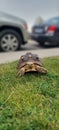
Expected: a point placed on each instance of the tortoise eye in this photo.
(37, 58)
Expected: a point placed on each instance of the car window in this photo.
(52, 21)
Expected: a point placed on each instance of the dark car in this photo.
(47, 33)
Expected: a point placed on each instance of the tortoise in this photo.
(29, 63)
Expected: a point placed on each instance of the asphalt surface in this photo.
(31, 46)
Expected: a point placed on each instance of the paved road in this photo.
(30, 47)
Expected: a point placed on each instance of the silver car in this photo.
(13, 32)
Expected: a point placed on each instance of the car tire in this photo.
(10, 40)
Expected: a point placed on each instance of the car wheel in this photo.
(10, 40)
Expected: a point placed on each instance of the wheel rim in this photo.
(9, 42)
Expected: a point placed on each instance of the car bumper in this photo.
(44, 37)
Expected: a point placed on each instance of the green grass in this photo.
(30, 102)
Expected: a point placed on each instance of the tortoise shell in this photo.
(30, 62)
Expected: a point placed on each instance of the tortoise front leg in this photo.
(41, 69)
(21, 71)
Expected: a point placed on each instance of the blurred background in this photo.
(31, 10)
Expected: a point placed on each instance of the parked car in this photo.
(13, 32)
(47, 33)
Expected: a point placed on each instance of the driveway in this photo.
(30, 47)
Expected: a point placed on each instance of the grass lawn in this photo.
(30, 102)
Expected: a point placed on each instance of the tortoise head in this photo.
(29, 59)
